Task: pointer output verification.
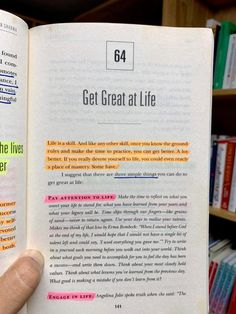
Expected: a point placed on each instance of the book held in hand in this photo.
(104, 164)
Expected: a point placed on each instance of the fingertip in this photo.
(20, 280)
(29, 267)
(36, 256)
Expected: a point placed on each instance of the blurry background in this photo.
(37, 12)
(152, 12)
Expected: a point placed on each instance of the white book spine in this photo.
(233, 70)
(219, 175)
(230, 62)
(232, 197)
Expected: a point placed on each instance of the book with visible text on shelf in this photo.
(219, 173)
(104, 157)
(223, 173)
(232, 197)
(229, 165)
(230, 66)
(214, 146)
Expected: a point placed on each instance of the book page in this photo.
(13, 131)
(119, 133)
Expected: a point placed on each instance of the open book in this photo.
(104, 164)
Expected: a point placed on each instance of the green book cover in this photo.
(227, 28)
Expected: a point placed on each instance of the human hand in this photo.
(19, 281)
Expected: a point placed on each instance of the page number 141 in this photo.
(118, 306)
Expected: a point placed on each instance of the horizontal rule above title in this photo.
(141, 99)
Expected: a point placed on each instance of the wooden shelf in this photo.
(221, 213)
(224, 92)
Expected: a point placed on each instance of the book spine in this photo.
(229, 163)
(215, 26)
(218, 248)
(232, 305)
(222, 287)
(233, 70)
(214, 243)
(227, 289)
(219, 174)
(229, 62)
(232, 197)
(213, 170)
(212, 298)
(219, 288)
(210, 268)
(212, 275)
(221, 55)
(216, 42)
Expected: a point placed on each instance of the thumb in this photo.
(19, 281)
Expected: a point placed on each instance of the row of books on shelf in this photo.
(222, 277)
(224, 54)
(223, 173)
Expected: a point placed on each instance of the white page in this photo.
(13, 133)
(119, 222)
